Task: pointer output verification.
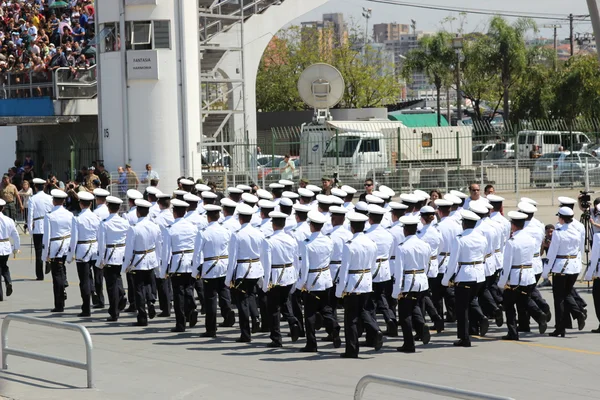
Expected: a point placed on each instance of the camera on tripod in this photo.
(584, 199)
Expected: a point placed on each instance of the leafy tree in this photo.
(577, 89)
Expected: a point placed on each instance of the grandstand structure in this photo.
(172, 77)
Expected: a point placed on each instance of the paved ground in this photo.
(153, 363)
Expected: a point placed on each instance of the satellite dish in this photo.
(321, 86)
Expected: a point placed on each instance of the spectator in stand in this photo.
(10, 194)
(90, 178)
(121, 181)
(27, 175)
(78, 32)
(59, 60)
(149, 175)
(28, 161)
(25, 194)
(104, 176)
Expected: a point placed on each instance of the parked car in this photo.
(567, 168)
(480, 151)
(501, 151)
(273, 173)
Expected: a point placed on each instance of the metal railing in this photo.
(421, 387)
(77, 83)
(27, 84)
(6, 351)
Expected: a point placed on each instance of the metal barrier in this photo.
(77, 83)
(87, 365)
(421, 387)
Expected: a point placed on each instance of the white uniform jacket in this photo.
(432, 236)
(517, 268)
(358, 254)
(211, 251)
(112, 235)
(142, 247)
(278, 258)
(466, 258)
(84, 237)
(314, 258)
(564, 254)
(244, 254)
(177, 249)
(410, 266)
(57, 233)
(384, 240)
(38, 205)
(8, 230)
(339, 236)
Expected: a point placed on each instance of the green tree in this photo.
(577, 89)
(434, 57)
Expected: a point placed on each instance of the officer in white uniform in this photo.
(192, 214)
(339, 193)
(97, 288)
(177, 251)
(362, 208)
(57, 238)
(593, 274)
(244, 266)
(323, 204)
(380, 270)
(496, 215)
(252, 201)
(386, 222)
(466, 269)
(300, 232)
(39, 205)
(355, 285)
(266, 207)
(83, 247)
(277, 190)
(208, 197)
(286, 206)
(410, 269)
(101, 210)
(348, 200)
(449, 230)
(211, 259)
(564, 262)
(280, 263)
(132, 218)
(163, 219)
(315, 281)
(306, 197)
(454, 210)
(397, 211)
(112, 235)
(8, 230)
(141, 258)
(152, 193)
(229, 221)
(518, 277)
(200, 189)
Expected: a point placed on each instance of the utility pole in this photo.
(367, 14)
(571, 38)
(595, 17)
(555, 27)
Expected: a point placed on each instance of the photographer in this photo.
(595, 216)
(53, 183)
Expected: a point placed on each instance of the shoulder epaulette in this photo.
(418, 231)
(349, 241)
(268, 237)
(105, 219)
(307, 240)
(203, 229)
(459, 235)
(328, 234)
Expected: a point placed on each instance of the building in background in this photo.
(400, 48)
(389, 31)
(340, 28)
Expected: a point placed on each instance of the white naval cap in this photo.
(267, 204)
(249, 198)
(179, 203)
(528, 200)
(278, 214)
(186, 182)
(566, 200)
(469, 215)
(410, 198)
(336, 200)
(212, 207)
(394, 205)
(143, 203)
(2, 203)
(285, 202)
(565, 212)
(85, 196)
(114, 200)
(58, 194)
(201, 187)
(357, 217)
(286, 182)
(276, 186)
(338, 210)
(381, 195)
(317, 217)
(234, 190)
(478, 207)
(409, 220)
(375, 209)
(338, 192)
(527, 208)
(306, 192)
(324, 199)
(244, 209)
(423, 195)
(443, 203)
(458, 194)
(134, 194)
(349, 189)
(314, 188)
(162, 195)
(245, 188)
(290, 195)
(453, 198)
(495, 198)
(387, 190)
(209, 195)
(38, 181)
(153, 190)
(361, 206)
(427, 210)
(303, 208)
(225, 202)
(191, 198)
(98, 192)
(372, 199)
(263, 194)
(179, 192)
(517, 216)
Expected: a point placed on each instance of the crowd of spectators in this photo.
(39, 36)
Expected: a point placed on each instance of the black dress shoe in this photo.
(462, 343)
(95, 299)
(510, 337)
(328, 338)
(404, 349)
(39, 279)
(57, 310)
(367, 343)
(130, 309)
(164, 314)
(178, 330)
(98, 306)
(484, 325)
(548, 316)
(139, 323)
(151, 311)
(346, 355)
(439, 326)
(596, 330)
(265, 329)
(9, 290)
(378, 341)
(243, 340)
(499, 317)
(122, 303)
(524, 329)
(274, 345)
(581, 322)
(255, 326)
(337, 342)
(557, 334)
(84, 314)
(229, 320)
(193, 318)
(308, 350)
(543, 326)
(209, 334)
(295, 333)
(392, 329)
(112, 319)
(426, 335)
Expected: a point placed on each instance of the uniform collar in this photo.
(314, 235)
(177, 220)
(357, 234)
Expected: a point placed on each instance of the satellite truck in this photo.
(356, 150)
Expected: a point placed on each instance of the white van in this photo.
(532, 144)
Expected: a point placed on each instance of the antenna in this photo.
(321, 86)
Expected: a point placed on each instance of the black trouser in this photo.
(596, 296)
(410, 314)
(165, 294)
(142, 280)
(318, 302)
(199, 288)
(378, 302)
(5, 271)
(244, 291)
(354, 311)
(83, 272)
(183, 297)
(114, 288)
(465, 294)
(57, 266)
(427, 306)
(212, 288)
(495, 291)
(39, 263)
(98, 282)
(392, 301)
(521, 297)
(538, 302)
(437, 294)
(486, 300)
(562, 287)
(277, 300)
(130, 290)
(263, 306)
(296, 306)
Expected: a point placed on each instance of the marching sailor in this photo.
(39, 205)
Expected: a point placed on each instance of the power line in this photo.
(517, 14)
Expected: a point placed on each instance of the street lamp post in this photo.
(367, 14)
(457, 44)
